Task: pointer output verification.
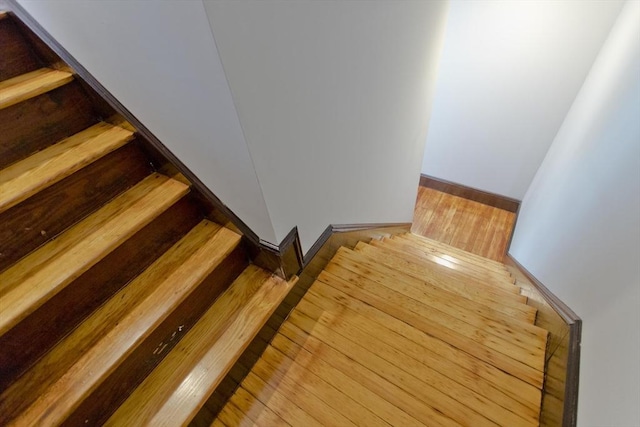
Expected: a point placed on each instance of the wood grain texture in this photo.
(147, 311)
(370, 330)
(175, 391)
(43, 169)
(469, 225)
(29, 85)
(45, 215)
(36, 278)
(469, 193)
(104, 401)
(39, 122)
(32, 338)
(17, 58)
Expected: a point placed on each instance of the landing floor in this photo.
(465, 224)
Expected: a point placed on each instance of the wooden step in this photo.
(181, 384)
(361, 264)
(414, 267)
(445, 260)
(428, 260)
(452, 251)
(3, 14)
(40, 275)
(23, 87)
(39, 122)
(43, 169)
(439, 353)
(116, 329)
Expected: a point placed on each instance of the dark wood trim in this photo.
(570, 409)
(470, 193)
(318, 244)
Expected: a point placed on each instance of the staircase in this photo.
(403, 331)
(120, 299)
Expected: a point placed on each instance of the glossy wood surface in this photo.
(21, 180)
(36, 278)
(39, 122)
(373, 341)
(464, 224)
(46, 214)
(25, 86)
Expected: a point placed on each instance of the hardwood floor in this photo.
(404, 331)
(462, 223)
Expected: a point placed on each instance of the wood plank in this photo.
(17, 58)
(364, 266)
(29, 85)
(435, 349)
(507, 293)
(409, 381)
(255, 410)
(23, 345)
(295, 376)
(452, 250)
(48, 213)
(61, 398)
(278, 403)
(502, 279)
(43, 169)
(439, 257)
(37, 277)
(387, 388)
(365, 397)
(458, 312)
(35, 124)
(413, 313)
(447, 375)
(459, 207)
(302, 395)
(449, 256)
(231, 415)
(109, 395)
(181, 384)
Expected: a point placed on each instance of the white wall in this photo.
(160, 60)
(334, 99)
(579, 226)
(509, 73)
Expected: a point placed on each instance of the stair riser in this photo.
(111, 393)
(37, 123)
(58, 207)
(17, 57)
(30, 339)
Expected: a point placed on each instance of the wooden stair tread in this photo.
(21, 88)
(37, 277)
(361, 264)
(167, 282)
(43, 169)
(427, 260)
(174, 392)
(403, 246)
(511, 341)
(414, 267)
(453, 251)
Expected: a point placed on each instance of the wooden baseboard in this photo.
(563, 361)
(480, 196)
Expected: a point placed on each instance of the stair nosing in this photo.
(26, 92)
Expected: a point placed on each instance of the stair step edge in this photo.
(37, 277)
(188, 389)
(41, 170)
(29, 85)
(66, 394)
